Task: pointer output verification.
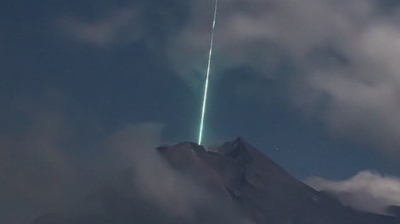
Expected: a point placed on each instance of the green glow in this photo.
(203, 111)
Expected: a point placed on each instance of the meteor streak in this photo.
(203, 111)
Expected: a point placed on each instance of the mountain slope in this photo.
(264, 190)
(234, 184)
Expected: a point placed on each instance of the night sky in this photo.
(314, 84)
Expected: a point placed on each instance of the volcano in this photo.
(233, 183)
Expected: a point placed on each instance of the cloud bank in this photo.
(366, 191)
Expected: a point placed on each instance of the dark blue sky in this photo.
(86, 69)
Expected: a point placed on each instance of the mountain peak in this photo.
(236, 150)
(262, 188)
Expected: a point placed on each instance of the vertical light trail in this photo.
(203, 111)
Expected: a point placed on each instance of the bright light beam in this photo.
(203, 111)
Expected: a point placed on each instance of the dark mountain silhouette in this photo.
(242, 185)
(395, 210)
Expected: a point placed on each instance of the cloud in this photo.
(261, 33)
(362, 98)
(47, 166)
(366, 191)
(343, 56)
(149, 191)
(44, 165)
(154, 179)
(141, 20)
(173, 192)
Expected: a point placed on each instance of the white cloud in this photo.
(153, 176)
(43, 168)
(366, 191)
